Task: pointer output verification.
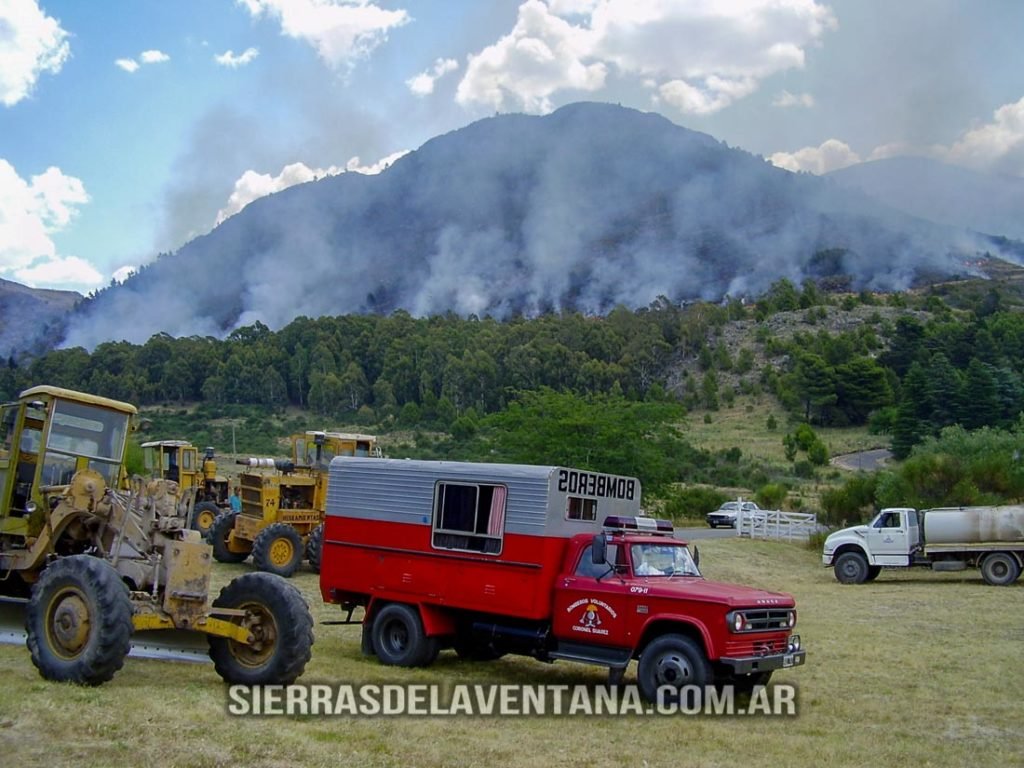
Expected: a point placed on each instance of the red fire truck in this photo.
(548, 562)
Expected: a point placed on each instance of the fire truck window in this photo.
(591, 570)
(469, 517)
(581, 509)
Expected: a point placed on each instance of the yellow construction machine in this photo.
(178, 460)
(93, 565)
(283, 503)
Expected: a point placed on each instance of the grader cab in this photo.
(93, 564)
(178, 460)
(283, 503)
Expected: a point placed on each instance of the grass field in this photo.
(916, 669)
(744, 424)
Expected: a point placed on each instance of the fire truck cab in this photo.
(548, 562)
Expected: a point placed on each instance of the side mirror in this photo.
(696, 556)
(599, 550)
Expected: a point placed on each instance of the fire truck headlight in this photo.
(736, 621)
(791, 619)
(794, 643)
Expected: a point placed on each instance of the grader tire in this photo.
(203, 516)
(315, 547)
(218, 535)
(280, 624)
(79, 621)
(277, 549)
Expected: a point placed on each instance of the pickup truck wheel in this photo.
(669, 663)
(1000, 569)
(851, 568)
(399, 639)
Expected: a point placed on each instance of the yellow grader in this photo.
(92, 564)
(283, 503)
(178, 460)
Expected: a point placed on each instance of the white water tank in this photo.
(974, 525)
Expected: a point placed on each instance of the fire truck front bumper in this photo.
(794, 656)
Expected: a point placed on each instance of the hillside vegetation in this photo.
(752, 398)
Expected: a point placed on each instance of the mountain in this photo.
(590, 206)
(944, 193)
(31, 313)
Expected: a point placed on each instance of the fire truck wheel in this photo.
(671, 667)
(79, 621)
(851, 568)
(314, 547)
(999, 569)
(399, 639)
(280, 628)
(278, 549)
(203, 515)
(218, 535)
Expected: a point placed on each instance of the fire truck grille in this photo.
(766, 620)
(752, 647)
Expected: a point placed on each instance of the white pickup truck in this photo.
(944, 539)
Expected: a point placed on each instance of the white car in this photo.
(725, 515)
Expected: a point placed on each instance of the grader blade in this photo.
(163, 644)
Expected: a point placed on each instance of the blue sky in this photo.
(129, 126)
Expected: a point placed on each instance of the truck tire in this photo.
(851, 568)
(669, 663)
(218, 535)
(79, 621)
(315, 547)
(399, 639)
(873, 571)
(203, 515)
(278, 619)
(1000, 569)
(278, 549)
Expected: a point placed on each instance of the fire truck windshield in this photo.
(662, 560)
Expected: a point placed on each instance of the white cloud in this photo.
(30, 43)
(995, 146)
(252, 185)
(146, 57)
(697, 56)
(66, 271)
(423, 83)
(30, 213)
(830, 156)
(123, 273)
(341, 31)
(229, 59)
(355, 165)
(543, 54)
(153, 57)
(786, 99)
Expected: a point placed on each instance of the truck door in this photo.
(591, 603)
(888, 538)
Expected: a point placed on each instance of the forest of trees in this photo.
(932, 367)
